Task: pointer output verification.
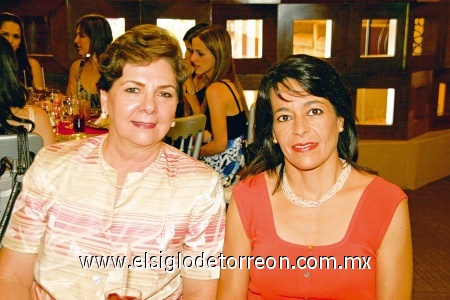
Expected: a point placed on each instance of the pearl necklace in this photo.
(127, 186)
(308, 203)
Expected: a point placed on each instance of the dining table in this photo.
(66, 132)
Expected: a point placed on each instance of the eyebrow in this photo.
(307, 103)
(142, 84)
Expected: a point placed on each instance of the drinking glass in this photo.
(67, 112)
(52, 94)
(123, 294)
(56, 114)
(79, 121)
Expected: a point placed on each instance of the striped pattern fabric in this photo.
(66, 211)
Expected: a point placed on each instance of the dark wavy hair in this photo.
(12, 92)
(98, 30)
(142, 44)
(21, 52)
(318, 78)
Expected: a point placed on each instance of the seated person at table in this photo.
(13, 98)
(93, 35)
(194, 87)
(224, 105)
(122, 193)
(29, 69)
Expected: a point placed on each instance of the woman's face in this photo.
(306, 127)
(142, 103)
(82, 42)
(202, 59)
(11, 31)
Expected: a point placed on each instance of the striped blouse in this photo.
(66, 214)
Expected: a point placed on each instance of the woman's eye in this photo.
(315, 111)
(165, 94)
(132, 90)
(284, 118)
(17, 37)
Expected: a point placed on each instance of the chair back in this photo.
(251, 123)
(188, 132)
(8, 147)
(8, 144)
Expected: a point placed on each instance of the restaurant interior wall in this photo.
(416, 79)
(397, 148)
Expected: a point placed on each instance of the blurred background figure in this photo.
(93, 35)
(194, 88)
(13, 98)
(29, 70)
(224, 104)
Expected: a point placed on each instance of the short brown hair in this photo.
(140, 45)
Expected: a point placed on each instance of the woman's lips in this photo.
(143, 125)
(305, 147)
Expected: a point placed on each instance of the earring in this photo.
(342, 129)
(103, 115)
(275, 141)
(173, 124)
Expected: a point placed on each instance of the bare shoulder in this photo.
(218, 88)
(359, 180)
(75, 65)
(39, 114)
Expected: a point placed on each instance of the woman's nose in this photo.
(301, 125)
(148, 104)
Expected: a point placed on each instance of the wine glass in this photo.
(56, 114)
(52, 94)
(67, 112)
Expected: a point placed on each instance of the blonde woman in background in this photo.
(224, 105)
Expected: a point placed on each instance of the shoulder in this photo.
(75, 65)
(182, 163)
(39, 113)
(252, 185)
(61, 153)
(34, 63)
(218, 88)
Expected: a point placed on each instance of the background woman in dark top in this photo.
(224, 103)
(29, 69)
(194, 88)
(93, 36)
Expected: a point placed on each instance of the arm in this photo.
(16, 274)
(394, 258)
(188, 93)
(43, 126)
(233, 283)
(216, 95)
(36, 71)
(199, 289)
(72, 81)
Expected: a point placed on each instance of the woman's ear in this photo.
(341, 123)
(104, 101)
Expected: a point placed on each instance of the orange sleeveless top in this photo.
(344, 270)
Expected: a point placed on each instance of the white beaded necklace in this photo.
(127, 186)
(308, 203)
